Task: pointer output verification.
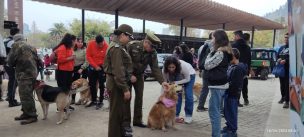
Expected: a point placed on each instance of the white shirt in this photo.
(186, 71)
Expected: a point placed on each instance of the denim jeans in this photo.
(204, 94)
(12, 83)
(188, 96)
(231, 112)
(214, 110)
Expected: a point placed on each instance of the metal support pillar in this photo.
(83, 25)
(116, 19)
(185, 32)
(181, 30)
(144, 26)
(252, 36)
(224, 26)
(274, 37)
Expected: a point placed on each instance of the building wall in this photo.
(15, 12)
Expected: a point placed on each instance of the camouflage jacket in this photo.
(25, 60)
(141, 59)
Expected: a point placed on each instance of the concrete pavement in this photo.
(262, 113)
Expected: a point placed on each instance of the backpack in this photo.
(202, 58)
(6, 41)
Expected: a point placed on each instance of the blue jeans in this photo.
(204, 94)
(188, 96)
(231, 112)
(214, 110)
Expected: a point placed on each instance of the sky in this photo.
(45, 15)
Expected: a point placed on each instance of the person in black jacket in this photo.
(245, 58)
(283, 58)
(187, 56)
(236, 73)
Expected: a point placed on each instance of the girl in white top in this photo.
(182, 73)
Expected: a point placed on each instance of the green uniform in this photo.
(24, 58)
(141, 59)
(118, 67)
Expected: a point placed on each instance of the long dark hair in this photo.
(172, 60)
(78, 40)
(67, 41)
(220, 39)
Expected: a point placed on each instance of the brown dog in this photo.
(82, 85)
(162, 114)
(197, 88)
(47, 94)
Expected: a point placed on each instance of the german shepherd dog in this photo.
(47, 94)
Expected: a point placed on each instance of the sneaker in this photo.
(1, 99)
(241, 105)
(142, 125)
(229, 134)
(286, 105)
(29, 120)
(224, 130)
(14, 104)
(93, 103)
(99, 105)
(281, 101)
(188, 120)
(246, 102)
(201, 109)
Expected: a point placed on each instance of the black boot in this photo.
(22, 117)
(29, 120)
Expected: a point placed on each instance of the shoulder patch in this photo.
(116, 46)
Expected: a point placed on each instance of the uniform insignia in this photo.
(116, 46)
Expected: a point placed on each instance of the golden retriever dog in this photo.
(162, 114)
(197, 88)
(82, 86)
(47, 94)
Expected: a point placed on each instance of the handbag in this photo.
(279, 70)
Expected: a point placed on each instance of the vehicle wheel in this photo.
(264, 74)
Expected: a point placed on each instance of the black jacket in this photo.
(236, 74)
(187, 57)
(245, 53)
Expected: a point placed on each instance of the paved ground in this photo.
(88, 122)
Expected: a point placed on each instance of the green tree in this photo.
(58, 31)
(92, 28)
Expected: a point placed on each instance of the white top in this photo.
(186, 71)
(2, 48)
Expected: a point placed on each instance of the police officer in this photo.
(118, 67)
(143, 53)
(25, 59)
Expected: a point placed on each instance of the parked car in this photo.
(262, 62)
(161, 57)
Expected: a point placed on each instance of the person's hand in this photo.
(80, 71)
(279, 60)
(71, 57)
(283, 62)
(127, 95)
(98, 68)
(133, 79)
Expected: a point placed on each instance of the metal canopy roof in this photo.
(203, 14)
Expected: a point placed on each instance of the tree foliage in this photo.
(92, 28)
